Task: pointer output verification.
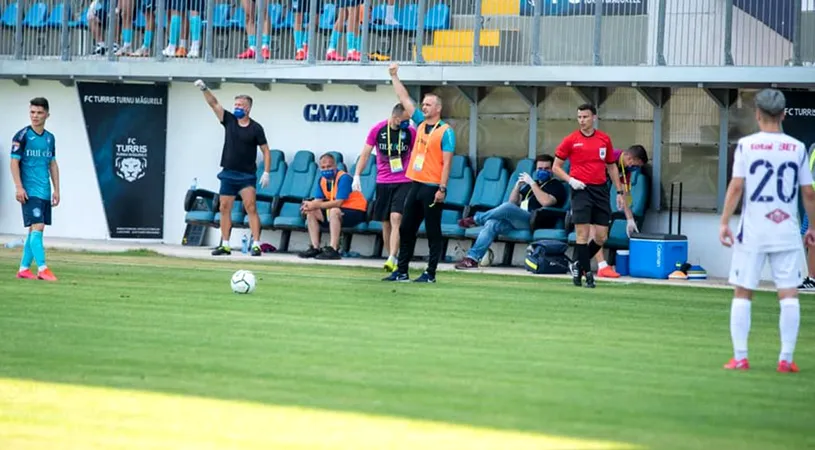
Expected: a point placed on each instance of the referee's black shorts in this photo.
(390, 199)
(591, 205)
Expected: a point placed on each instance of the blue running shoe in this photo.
(396, 276)
(425, 278)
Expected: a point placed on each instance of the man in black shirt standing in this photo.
(242, 137)
(531, 192)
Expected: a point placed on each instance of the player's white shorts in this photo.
(785, 267)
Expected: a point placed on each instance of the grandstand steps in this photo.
(456, 46)
(501, 8)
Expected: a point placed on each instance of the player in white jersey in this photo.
(770, 169)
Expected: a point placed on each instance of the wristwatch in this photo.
(443, 189)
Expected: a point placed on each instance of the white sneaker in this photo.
(142, 51)
(169, 51)
(195, 50)
(124, 50)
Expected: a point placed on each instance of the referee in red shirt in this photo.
(591, 153)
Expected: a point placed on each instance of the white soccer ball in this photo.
(243, 282)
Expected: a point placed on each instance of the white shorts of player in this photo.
(785, 266)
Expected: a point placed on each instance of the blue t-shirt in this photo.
(35, 152)
(448, 140)
(343, 188)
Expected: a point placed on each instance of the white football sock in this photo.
(602, 265)
(788, 323)
(740, 326)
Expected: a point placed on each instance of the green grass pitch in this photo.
(133, 351)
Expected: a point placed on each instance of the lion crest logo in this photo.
(131, 168)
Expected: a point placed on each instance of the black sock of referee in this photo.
(593, 249)
(583, 257)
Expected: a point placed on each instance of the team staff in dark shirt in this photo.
(242, 137)
(590, 153)
(530, 193)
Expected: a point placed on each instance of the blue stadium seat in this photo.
(237, 215)
(410, 18)
(559, 232)
(617, 235)
(238, 20)
(82, 22)
(200, 206)
(297, 186)
(9, 18)
(220, 16)
(368, 180)
(437, 17)
(266, 197)
(459, 191)
(54, 19)
(327, 17)
(36, 15)
(275, 15)
(489, 190)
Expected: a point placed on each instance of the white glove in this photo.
(357, 184)
(264, 180)
(576, 184)
(201, 85)
(631, 227)
(527, 179)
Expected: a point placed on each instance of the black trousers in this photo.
(418, 208)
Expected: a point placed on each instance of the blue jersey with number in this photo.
(35, 152)
(774, 166)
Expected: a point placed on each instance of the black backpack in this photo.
(547, 257)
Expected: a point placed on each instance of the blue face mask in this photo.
(239, 113)
(328, 174)
(405, 124)
(542, 175)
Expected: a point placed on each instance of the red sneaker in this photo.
(46, 275)
(354, 55)
(737, 364)
(332, 55)
(248, 54)
(607, 272)
(266, 53)
(26, 274)
(302, 53)
(787, 367)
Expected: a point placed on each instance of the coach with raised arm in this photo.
(242, 137)
(590, 153)
(429, 170)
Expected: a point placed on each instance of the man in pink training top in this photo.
(393, 140)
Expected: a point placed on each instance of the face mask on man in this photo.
(405, 124)
(542, 175)
(328, 174)
(239, 113)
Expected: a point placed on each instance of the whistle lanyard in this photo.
(529, 192)
(332, 191)
(399, 145)
(623, 175)
(426, 140)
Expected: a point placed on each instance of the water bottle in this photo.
(245, 244)
(194, 185)
(15, 243)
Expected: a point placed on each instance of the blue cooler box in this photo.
(656, 255)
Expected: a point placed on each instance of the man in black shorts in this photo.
(591, 153)
(242, 137)
(392, 140)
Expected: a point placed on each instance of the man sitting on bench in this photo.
(335, 205)
(531, 192)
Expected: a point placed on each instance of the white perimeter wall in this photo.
(194, 144)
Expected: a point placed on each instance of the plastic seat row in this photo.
(279, 203)
(225, 16)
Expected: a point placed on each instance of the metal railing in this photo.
(469, 32)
